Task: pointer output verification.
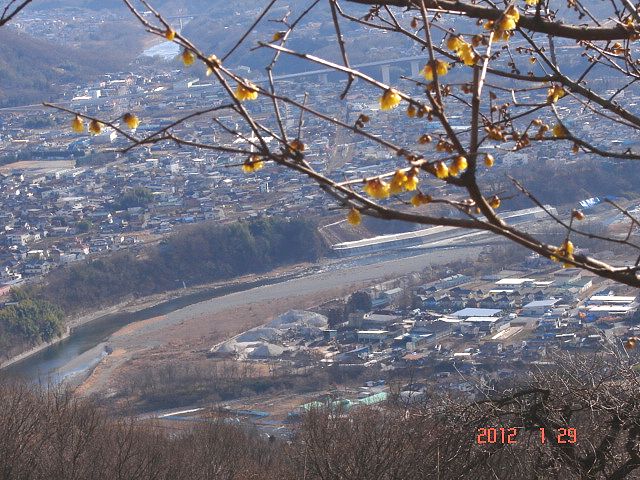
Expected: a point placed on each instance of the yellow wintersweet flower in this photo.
(397, 182)
(77, 124)
(555, 93)
(411, 111)
(427, 72)
(568, 247)
(463, 49)
(421, 199)
(412, 181)
(354, 217)
(131, 120)
(278, 36)
(252, 164)
(467, 55)
(513, 12)
(559, 131)
(441, 68)
(95, 127)
(494, 202)
(566, 251)
(248, 91)
(442, 171)
(455, 42)
(170, 34)
(377, 188)
(531, 3)
(390, 99)
(506, 23)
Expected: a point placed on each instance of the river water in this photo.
(43, 367)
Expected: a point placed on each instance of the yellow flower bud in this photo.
(213, 62)
(420, 199)
(170, 34)
(559, 131)
(297, 146)
(577, 214)
(77, 124)
(354, 217)
(460, 163)
(424, 139)
(489, 160)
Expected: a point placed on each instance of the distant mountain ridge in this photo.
(32, 70)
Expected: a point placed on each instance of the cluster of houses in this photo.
(496, 323)
(55, 215)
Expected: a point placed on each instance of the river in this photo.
(46, 366)
(43, 367)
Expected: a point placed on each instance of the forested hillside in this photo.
(194, 255)
(27, 321)
(32, 70)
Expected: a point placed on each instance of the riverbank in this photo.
(173, 299)
(176, 334)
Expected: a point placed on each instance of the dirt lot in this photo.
(38, 166)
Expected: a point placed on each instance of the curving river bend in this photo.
(45, 367)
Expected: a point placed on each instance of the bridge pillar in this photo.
(415, 70)
(386, 77)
